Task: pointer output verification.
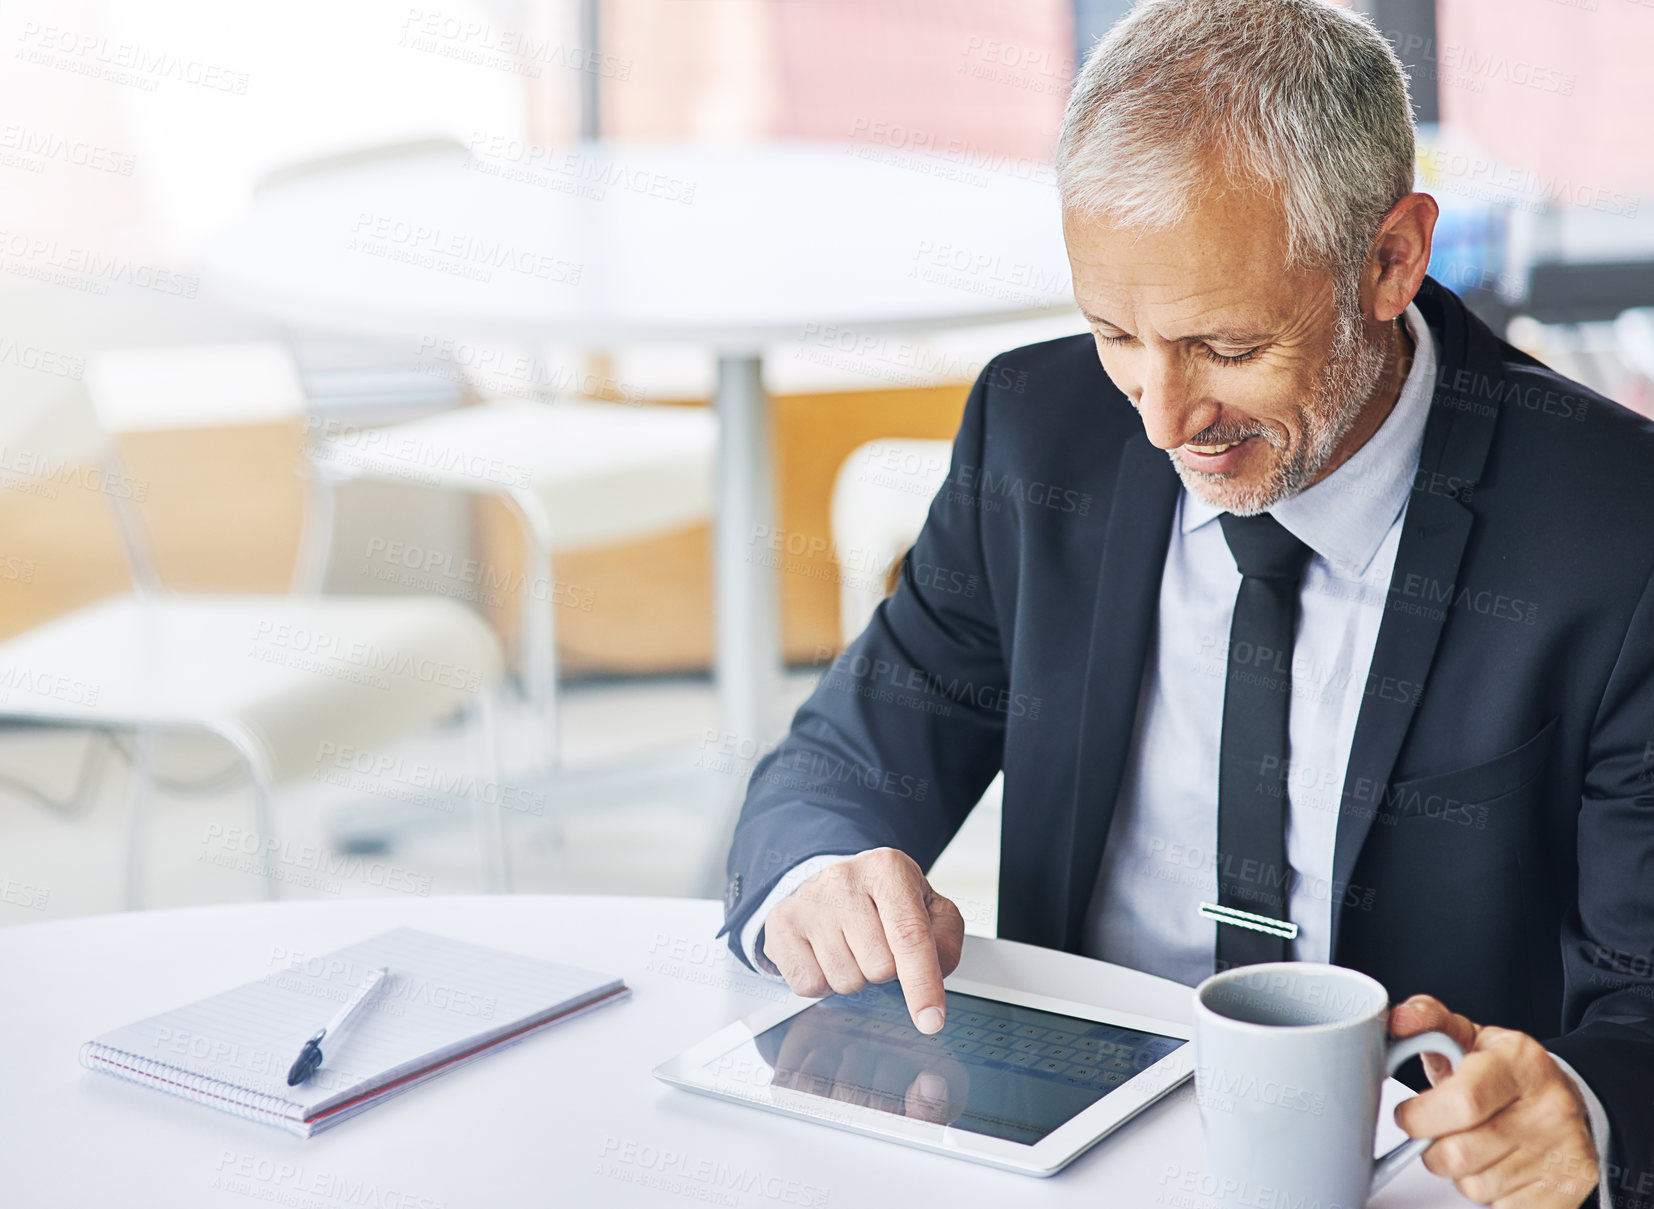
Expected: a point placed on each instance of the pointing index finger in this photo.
(906, 922)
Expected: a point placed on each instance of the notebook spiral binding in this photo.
(227, 1097)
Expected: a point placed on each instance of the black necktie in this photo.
(1253, 876)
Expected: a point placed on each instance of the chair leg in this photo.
(140, 786)
(538, 628)
(315, 535)
(487, 809)
(92, 760)
(259, 791)
(547, 686)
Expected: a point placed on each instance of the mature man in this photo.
(1360, 669)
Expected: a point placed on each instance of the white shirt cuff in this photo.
(1598, 1117)
(790, 881)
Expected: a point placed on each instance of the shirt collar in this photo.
(1345, 516)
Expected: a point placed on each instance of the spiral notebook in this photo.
(446, 1002)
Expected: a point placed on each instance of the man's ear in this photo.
(1399, 256)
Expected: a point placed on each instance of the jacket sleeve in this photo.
(905, 729)
(1608, 942)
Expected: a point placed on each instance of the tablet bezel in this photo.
(1043, 1158)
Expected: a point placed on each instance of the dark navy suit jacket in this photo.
(1495, 844)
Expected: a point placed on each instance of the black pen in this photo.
(310, 1057)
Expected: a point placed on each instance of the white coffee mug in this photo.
(1289, 1061)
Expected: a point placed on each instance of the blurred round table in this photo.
(830, 249)
(570, 1116)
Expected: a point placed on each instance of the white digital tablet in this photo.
(1015, 1080)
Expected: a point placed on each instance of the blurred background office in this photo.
(440, 444)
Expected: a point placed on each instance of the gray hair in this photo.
(1302, 100)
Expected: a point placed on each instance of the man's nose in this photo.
(1171, 412)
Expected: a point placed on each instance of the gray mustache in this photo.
(1226, 436)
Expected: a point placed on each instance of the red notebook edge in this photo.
(436, 1068)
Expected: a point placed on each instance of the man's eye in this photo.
(1113, 340)
(1239, 358)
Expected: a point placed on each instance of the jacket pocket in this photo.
(1441, 794)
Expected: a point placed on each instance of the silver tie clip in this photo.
(1285, 929)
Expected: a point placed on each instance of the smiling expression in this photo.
(1239, 367)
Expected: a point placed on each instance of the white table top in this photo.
(569, 1117)
(612, 243)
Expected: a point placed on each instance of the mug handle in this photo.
(1387, 1165)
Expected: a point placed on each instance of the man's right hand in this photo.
(868, 919)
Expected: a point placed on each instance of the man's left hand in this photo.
(1510, 1127)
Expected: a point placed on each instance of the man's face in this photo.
(1240, 369)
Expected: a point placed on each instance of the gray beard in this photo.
(1354, 367)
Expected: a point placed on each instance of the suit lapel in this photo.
(1421, 590)
(1425, 580)
(1122, 631)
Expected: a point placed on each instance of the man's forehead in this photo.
(1228, 228)
(1206, 273)
(1227, 311)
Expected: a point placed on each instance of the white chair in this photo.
(881, 496)
(276, 678)
(1634, 339)
(577, 473)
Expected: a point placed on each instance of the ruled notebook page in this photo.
(443, 997)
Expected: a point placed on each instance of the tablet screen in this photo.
(995, 1068)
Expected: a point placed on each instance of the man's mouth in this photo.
(1217, 457)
